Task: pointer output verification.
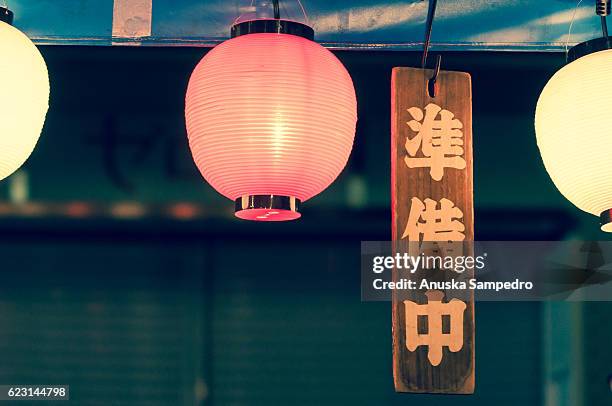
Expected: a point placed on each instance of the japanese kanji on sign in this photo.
(432, 204)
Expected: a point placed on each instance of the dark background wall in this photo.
(165, 323)
(125, 275)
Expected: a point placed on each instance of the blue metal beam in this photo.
(513, 25)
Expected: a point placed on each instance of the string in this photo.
(569, 33)
(304, 12)
(241, 14)
(306, 18)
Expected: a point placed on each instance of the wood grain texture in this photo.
(412, 370)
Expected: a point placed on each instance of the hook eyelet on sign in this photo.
(432, 83)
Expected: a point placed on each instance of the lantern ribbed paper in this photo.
(24, 98)
(574, 131)
(270, 114)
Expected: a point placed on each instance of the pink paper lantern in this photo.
(270, 119)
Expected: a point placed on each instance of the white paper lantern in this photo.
(574, 132)
(24, 97)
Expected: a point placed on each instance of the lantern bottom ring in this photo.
(605, 220)
(267, 207)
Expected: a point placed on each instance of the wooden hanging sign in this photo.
(432, 201)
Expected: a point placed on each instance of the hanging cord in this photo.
(602, 8)
(569, 32)
(304, 12)
(604, 30)
(431, 83)
(252, 4)
(302, 9)
(276, 5)
(431, 12)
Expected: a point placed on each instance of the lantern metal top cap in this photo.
(272, 26)
(588, 47)
(6, 15)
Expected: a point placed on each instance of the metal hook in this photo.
(431, 83)
(431, 12)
